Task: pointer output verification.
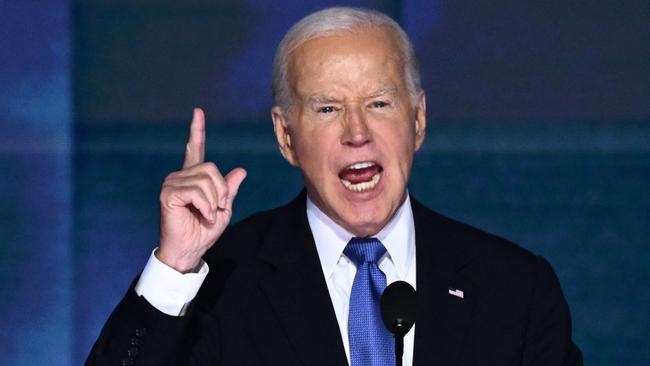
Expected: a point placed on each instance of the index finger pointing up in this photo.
(195, 148)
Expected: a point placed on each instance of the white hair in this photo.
(334, 21)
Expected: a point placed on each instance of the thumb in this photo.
(234, 180)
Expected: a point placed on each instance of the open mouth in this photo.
(362, 176)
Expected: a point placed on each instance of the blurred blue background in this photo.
(539, 131)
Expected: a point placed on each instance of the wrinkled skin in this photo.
(350, 105)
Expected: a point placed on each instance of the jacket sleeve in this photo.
(137, 333)
(548, 335)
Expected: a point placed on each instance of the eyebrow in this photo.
(322, 99)
(382, 92)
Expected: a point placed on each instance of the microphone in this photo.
(398, 312)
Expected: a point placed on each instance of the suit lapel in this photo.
(443, 319)
(297, 292)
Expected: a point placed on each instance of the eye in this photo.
(327, 109)
(379, 104)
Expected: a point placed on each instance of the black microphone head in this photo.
(398, 307)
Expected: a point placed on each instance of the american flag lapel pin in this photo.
(456, 292)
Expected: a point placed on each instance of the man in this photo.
(283, 286)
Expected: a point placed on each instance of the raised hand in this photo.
(195, 204)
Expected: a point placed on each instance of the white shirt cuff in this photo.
(168, 290)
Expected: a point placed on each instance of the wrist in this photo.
(183, 264)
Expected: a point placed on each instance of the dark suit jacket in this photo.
(265, 302)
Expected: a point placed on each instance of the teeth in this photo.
(363, 165)
(363, 186)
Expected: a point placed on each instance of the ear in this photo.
(420, 121)
(283, 135)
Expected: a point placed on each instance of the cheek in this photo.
(402, 151)
(313, 156)
(400, 140)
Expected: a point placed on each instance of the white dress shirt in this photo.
(167, 289)
(170, 291)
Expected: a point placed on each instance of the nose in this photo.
(355, 128)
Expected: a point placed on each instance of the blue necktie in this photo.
(371, 344)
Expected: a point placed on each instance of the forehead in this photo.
(352, 58)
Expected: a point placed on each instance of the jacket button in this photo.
(140, 332)
(136, 341)
(127, 362)
(132, 352)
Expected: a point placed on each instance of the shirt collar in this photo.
(398, 236)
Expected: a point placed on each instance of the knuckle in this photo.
(166, 189)
(170, 176)
(166, 194)
(211, 167)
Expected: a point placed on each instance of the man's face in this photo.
(353, 129)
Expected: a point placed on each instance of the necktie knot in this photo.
(364, 250)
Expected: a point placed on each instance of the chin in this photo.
(365, 222)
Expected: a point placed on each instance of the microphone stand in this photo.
(399, 342)
(399, 350)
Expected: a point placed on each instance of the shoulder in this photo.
(467, 237)
(492, 263)
(236, 260)
(246, 237)
(517, 297)
(489, 254)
